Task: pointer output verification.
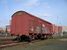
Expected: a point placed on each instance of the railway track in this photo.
(17, 43)
(8, 43)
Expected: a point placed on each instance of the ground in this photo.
(50, 44)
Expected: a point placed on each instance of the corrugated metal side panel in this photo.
(33, 24)
(47, 28)
(37, 24)
(54, 28)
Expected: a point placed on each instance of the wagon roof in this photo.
(30, 15)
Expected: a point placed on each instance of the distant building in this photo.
(65, 31)
(64, 28)
(8, 29)
(1, 30)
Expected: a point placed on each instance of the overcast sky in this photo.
(54, 11)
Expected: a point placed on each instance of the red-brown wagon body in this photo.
(23, 23)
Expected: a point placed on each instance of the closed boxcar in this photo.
(28, 26)
(57, 30)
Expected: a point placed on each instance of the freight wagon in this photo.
(28, 27)
(57, 31)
